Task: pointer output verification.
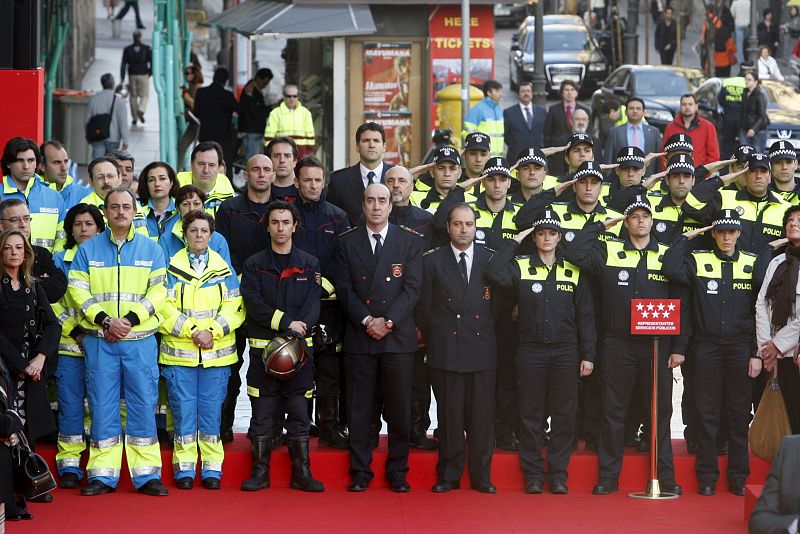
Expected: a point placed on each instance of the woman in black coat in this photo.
(29, 334)
(754, 121)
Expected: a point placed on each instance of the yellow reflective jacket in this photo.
(296, 123)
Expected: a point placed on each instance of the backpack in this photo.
(99, 126)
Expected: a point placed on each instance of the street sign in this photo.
(656, 317)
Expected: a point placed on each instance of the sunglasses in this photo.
(290, 96)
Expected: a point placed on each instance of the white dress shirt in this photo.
(383, 233)
(364, 171)
(468, 258)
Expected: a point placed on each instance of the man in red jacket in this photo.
(702, 132)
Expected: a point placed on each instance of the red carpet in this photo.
(336, 510)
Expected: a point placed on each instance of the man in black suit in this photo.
(778, 507)
(455, 317)
(346, 187)
(214, 106)
(378, 282)
(523, 122)
(559, 116)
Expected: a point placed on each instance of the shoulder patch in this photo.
(748, 269)
(411, 231)
(748, 253)
(490, 250)
(349, 230)
(431, 251)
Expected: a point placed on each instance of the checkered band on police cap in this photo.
(639, 201)
(447, 153)
(680, 163)
(630, 156)
(578, 138)
(532, 155)
(727, 219)
(679, 143)
(547, 218)
(477, 141)
(782, 150)
(587, 169)
(496, 165)
(743, 152)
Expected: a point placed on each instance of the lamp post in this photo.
(539, 80)
(630, 52)
(752, 39)
(465, 78)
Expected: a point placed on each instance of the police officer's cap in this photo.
(743, 152)
(477, 141)
(630, 156)
(782, 150)
(447, 153)
(680, 163)
(679, 142)
(531, 155)
(756, 160)
(578, 138)
(588, 169)
(497, 165)
(727, 220)
(639, 201)
(547, 218)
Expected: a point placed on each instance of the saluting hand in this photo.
(608, 223)
(608, 166)
(419, 169)
(717, 165)
(550, 150)
(778, 243)
(691, 234)
(729, 178)
(653, 179)
(563, 186)
(586, 368)
(469, 182)
(520, 237)
(651, 156)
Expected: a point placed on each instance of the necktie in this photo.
(378, 245)
(636, 136)
(569, 117)
(462, 264)
(370, 177)
(528, 117)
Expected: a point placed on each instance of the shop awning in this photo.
(262, 19)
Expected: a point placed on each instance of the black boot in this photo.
(419, 428)
(226, 424)
(261, 455)
(301, 471)
(327, 421)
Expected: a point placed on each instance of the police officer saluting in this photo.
(628, 268)
(281, 291)
(557, 343)
(723, 297)
(455, 317)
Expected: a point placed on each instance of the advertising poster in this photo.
(444, 25)
(397, 125)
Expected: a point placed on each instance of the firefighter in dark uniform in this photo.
(723, 298)
(319, 225)
(629, 268)
(557, 344)
(783, 163)
(760, 209)
(281, 291)
(378, 282)
(455, 317)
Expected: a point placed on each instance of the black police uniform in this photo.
(319, 225)
(557, 331)
(241, 222)
(278, 289)
(385, 286)
(625, 273)
(783, 150)
(455, 317)
(723, 298)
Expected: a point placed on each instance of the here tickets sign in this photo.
(656, 317)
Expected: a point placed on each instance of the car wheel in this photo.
(511, 81)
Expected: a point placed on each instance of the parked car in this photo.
(509, 14)
(570, 53)
(660, 87)
(783, 108)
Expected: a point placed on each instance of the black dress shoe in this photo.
(643, 445)
(707, 489)
(211, 483)
(96, 487)
(737, 487)
(510, 444)
(591, 445)
(44, 498)
(691, 447)
(558, 487)
(423, 442)
(399, 484)
(69, 481)
(358, 485)
(489, 488)
(605, 486)
(226, 436)
(534, 487)
(16, 516)
(443, 486)
(184, 483)
(670, 486)
(154, 488)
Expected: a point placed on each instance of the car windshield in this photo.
(783, 95)
(559, 40)
(661, 83)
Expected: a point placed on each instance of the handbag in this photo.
(32, 476)
(770, 423)
(99, 126)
